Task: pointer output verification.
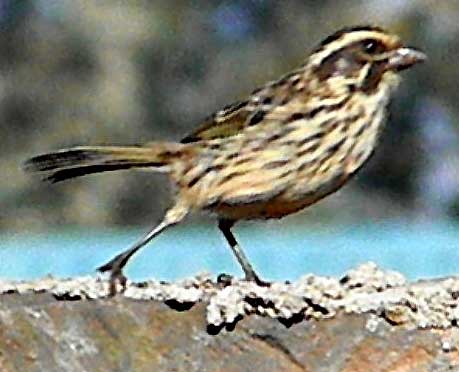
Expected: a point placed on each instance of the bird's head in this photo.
(363, 56)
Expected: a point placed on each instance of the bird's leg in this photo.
(250, 274)
(116, 264)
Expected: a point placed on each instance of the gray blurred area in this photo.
(126, 72)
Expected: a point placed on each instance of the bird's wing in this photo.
(232, 119)
(224, 123)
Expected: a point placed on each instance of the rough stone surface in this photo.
(369, 320)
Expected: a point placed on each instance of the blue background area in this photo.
(277, 250)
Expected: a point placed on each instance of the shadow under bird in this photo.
(292, 142)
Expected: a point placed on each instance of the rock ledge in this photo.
(368, 320)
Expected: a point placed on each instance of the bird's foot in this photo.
(256, 279)
(116, 277)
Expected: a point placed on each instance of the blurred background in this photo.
(125, 72)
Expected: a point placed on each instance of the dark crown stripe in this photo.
(338, 34)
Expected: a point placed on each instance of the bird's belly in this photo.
(275, 208)
(288, 202)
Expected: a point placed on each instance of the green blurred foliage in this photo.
(126, 72)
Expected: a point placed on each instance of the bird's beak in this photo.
(403, 58)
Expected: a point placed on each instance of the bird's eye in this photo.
(371, 46)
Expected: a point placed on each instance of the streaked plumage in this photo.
(290, 143)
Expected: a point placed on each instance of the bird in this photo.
(289, 144)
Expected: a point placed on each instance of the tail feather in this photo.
(80, 161)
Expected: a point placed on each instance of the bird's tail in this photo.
(79, 161)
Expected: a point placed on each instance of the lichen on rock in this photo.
(365, 289)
